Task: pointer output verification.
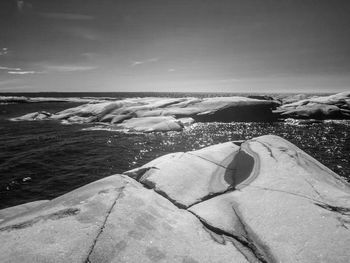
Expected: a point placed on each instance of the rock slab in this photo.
(263, 201)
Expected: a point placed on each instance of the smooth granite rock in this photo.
(112, 220)
(19, 209)
(293, 210)
(62, 230)
(145, 227)
(150, 124)
(263, 201)
(335, 106)
(163, 114)
(187, 178)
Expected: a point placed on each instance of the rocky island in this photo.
(262, 200)
(151, 114)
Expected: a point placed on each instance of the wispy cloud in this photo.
(9, 68)
(67, 16)
(140, 62)
(67, 68)
(23, 72)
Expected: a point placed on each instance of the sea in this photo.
(44, 159)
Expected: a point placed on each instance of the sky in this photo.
(174, 45)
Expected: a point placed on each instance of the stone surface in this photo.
(19, 209)
(62, 230)
(164, 114)
(150, 124)
(263, 201)
(294, 210)
(112, 220)
(187, 178)
(145, 227)
(335, 106)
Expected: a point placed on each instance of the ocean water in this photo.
(42, 160)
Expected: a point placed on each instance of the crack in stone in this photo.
(286, 192)
(267, 147)
(252, 254)
(220, 165)
(212, 195)
(121, 189)
(140, 172)
(260, 250)
(314, 188)
(337, 209)
(250, 251)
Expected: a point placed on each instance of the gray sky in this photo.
(177, 45)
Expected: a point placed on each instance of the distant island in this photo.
(167, 114)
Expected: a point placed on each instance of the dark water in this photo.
(41, 160)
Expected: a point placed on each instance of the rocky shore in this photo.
(173, 114)
(260, 200)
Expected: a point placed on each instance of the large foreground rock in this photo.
(263, 201)
(112, 220)
(329, 107)
(277, 200)
(163, 114)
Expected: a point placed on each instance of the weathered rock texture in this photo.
(330, 107)
(163, 114)
(262, 201)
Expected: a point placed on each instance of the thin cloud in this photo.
(9, 68)
(137, 63)
(67, 16)
(23, 72)
(68, 68)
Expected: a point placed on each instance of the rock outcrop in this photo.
(330, 107)
(263, 201)
(163, 114)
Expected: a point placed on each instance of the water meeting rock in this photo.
(335, 106)
(163, 114)
(264, 200)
